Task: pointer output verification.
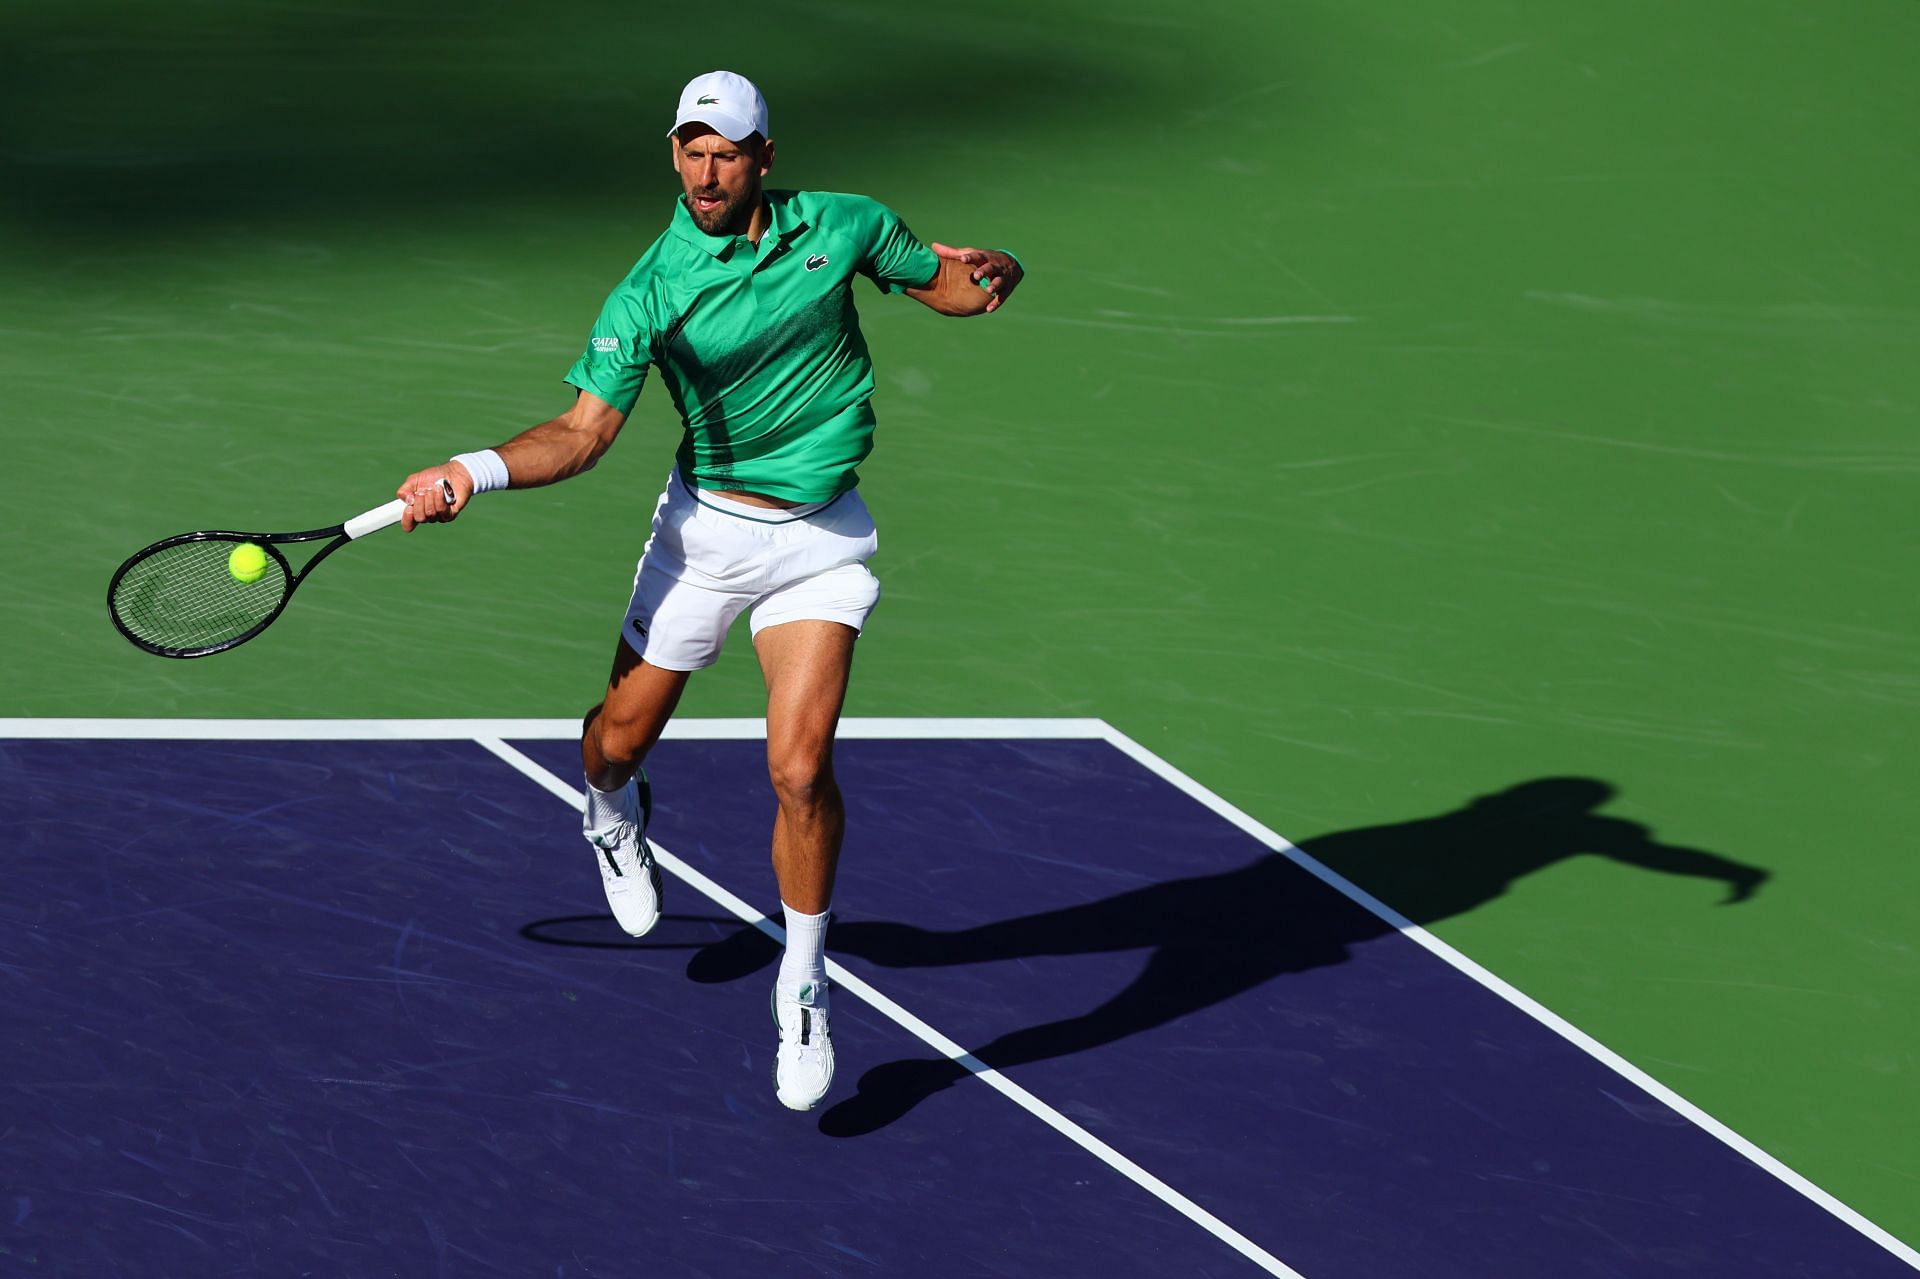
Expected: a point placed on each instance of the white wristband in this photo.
(486, 468)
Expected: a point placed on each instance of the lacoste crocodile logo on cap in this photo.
(817, 261)
(705, 101)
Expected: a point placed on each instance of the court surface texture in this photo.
(343, 998)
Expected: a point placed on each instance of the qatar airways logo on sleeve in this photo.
(606, 346)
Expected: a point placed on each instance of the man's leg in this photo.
(615, 736)
(806, 665)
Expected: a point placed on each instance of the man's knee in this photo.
(802, 780)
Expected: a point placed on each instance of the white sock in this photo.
(604, 807)
(805, 959)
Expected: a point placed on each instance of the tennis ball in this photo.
(247, 563)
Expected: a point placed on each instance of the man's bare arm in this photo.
(969, 281)
(564, 447)
(555, 450)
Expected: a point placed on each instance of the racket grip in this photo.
(373, 521)
(384, 515)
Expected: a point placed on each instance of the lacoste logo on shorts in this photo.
(606, 344)
(817, 261)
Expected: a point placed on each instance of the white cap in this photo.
(725, 102)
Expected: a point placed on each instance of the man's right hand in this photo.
(543, 454)
(427, 501)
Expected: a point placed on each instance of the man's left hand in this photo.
(997, 271)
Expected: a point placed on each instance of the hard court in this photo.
(1095, 1021)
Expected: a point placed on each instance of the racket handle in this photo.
(384, 515)
(373, 521)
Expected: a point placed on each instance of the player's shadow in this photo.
(1215, 936)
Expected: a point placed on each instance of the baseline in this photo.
(404, 730)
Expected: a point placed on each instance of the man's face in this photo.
(721, 178)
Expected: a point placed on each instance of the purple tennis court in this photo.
(356, 1007)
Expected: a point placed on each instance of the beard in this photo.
(722, 218)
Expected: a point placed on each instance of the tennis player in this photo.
(745, 306)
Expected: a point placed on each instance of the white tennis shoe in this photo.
(803, 1067)
(627, 869)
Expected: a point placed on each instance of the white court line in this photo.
(526, 730)
(926, 1034)
(1009, 729)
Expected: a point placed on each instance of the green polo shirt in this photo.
(760, 348)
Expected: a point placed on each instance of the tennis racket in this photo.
(177, 599)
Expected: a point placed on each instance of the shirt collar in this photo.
(687, 229)
(783, 223)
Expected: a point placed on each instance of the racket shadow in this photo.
(1213, 937)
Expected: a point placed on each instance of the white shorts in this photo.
(711, 556)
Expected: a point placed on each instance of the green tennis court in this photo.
(1405, 405)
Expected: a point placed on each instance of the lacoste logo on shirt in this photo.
(707, 102)
(606, 344)
(639, 628)
(817, 261)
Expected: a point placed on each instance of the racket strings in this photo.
(183, 597)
